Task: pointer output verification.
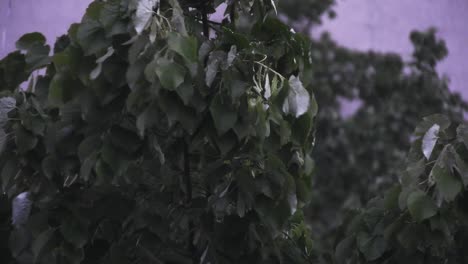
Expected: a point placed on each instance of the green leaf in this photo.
(12, 71)
(49, 168)
(56, 90)
(373, 247)
(110, 17)
(87, 166)
(74, 232)
(186, 92)
(421, 206)
(3, 140)
(298, 100)
(187, 47)
(27, 41)
(6, 105)
(447, 184)
(462, 133)
(178, 20)
(97, 71)
(415, 169)
(90, 34)
(42, 244)
(429, 121)
(157, 150)
(66, 60)
(146, 119)
(430, 140)
(62, 89)
(177, 112)
(25, 140)
(391, 198)
(9, 171)
(88, 146)
(124, 139)
(462, 168)
(38, 57)
(232, 55)
(104, 175)
(73, 255)
(344, 249)
(224, 116)
(213, 64)
(170, 74)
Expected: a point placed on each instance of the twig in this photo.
(188, 199)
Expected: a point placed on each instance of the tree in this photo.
(359, 157)
(423, 219)
(147, 141)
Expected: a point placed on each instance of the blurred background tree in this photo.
(359, 154)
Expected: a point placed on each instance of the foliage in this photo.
(358, 157)
(361, 155)
(308, 15)
(423, 219)
(145, 141)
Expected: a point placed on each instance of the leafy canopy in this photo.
(423, 219)
(147, 141)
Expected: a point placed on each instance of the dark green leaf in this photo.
(13, 71)
(74, 232)
(42, 244)
(421, 206)
(49, 166)
(9, 172)
(447, 184)
(88, 146)
(187, 47)
(6, 105)
(373, 247)
(214, 61)
(223, 115)
(462, 168)
(27, 41)
(170, 74)
(462, 132)
(344, 249)
(25, 140)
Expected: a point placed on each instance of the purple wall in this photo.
(385, 26)
(361, 24)
(51, 17)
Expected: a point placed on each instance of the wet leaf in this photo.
(421, 206)
(430, 140)
(298, 100)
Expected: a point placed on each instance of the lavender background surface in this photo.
(380, 25)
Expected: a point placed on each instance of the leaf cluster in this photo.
(360, 155)
(147, 141)
(424, 218)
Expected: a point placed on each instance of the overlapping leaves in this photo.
(422, 220)
(147, 141)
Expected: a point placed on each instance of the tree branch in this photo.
(206, 29)
(188, 199)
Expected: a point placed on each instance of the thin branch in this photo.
(188, 199)
(232, 13)
(206, 27)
